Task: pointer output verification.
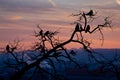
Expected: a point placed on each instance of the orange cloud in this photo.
(118, 2)
(15, 17)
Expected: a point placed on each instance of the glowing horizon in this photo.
(19, 18)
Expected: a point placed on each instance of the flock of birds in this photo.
(87, 28)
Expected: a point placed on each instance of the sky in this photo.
(19, 18)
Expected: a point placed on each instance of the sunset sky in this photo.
(19, 18)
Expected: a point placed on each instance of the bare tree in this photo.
(51, 49)
(16, 61)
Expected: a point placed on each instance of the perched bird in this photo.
(46, 33)
(7, 48)
(77, 27)
(87, 29)
(90, 13)
(41, 33)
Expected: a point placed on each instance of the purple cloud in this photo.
(25, 5)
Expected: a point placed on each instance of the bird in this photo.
(90, 13)
(87, 29)
(7, 48)
(77, 27)
(46, 33)
(41, 33)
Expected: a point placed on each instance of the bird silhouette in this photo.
(77, 27)
(90, 13)
(87, 29)
(46, 33)
(7, 48)
(41, 33)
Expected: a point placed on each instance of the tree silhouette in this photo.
(51, 49)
